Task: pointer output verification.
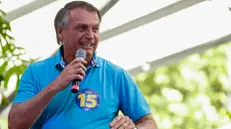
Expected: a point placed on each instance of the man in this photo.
(44, 99)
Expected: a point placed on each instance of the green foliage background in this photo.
(191, 94)
(12, 62)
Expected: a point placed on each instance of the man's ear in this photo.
(60, 34)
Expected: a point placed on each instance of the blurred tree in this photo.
(11, 57)
(190, 94)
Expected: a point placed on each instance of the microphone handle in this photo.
(75, 86)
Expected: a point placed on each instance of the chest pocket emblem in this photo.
(87, 100)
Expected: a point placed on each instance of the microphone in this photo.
(81, 53)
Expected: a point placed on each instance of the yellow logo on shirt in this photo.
(88, 99)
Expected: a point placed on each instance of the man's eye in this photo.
(81, 28)
(96, 29)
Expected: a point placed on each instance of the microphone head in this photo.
(81, 53)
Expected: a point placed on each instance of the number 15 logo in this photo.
(88, 101)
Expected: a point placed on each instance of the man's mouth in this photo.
(86, 45)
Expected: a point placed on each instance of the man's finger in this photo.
(120, 123)
(130, 126)
(78, 60)
(80, 71)
(80, 66)
(115, 120)
(78, 77)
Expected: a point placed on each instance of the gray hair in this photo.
(62, 17)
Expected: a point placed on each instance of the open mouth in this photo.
(86, 45)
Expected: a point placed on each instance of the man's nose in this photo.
(89, 34)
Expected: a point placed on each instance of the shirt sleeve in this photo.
(132, 101)
(27, 88)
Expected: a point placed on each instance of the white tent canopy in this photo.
(132, 32)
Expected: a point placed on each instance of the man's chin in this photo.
(89, 53)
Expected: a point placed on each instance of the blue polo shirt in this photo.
(105, 90)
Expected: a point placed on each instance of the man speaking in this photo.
(67, 91)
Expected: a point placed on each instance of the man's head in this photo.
(77, 26)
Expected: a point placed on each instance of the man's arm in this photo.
(23, 115)
(146, 122)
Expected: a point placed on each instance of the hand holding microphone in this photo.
(74, 72)
(75, 84)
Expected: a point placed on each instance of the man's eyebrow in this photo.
(96, 24)
(80, 24)
(83, 24)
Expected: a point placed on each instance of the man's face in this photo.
(82, 32)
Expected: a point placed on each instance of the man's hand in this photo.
(74, 70)
(122, 122)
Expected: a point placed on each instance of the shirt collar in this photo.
(60, 63)
(95, 61)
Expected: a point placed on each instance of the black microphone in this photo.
(81, 53)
